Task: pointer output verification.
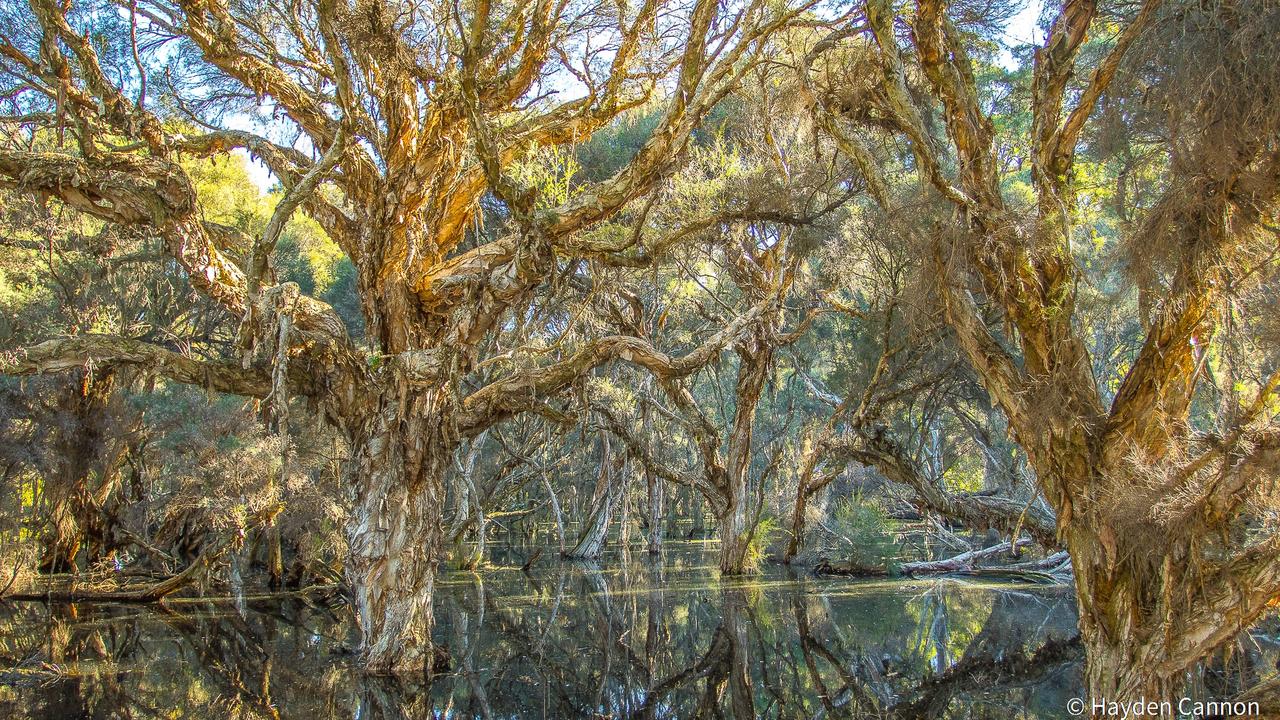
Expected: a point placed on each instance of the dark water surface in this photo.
(625, 639)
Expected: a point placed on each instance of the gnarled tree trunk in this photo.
(737, 530)
(91, 441)
(808, 486)
(397, 468)
(657, 511)
(740, 514)
(1120, 625)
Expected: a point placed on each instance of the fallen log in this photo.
(1048, 570)
(150, 593)
(1059, 562)
(964, 562)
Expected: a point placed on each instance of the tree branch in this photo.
(75, 352)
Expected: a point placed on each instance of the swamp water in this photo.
(627, 638)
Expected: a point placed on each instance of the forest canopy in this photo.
(345, 292)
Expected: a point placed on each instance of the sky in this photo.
(1022, 29)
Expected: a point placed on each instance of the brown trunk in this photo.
(1122, 628)
(92, 449)
(1117, 669)
(805, 489)
(555, 509)
(395, 534)
(736, 616)
(275, 558)
(63, 534)
(468, 513)
(695, 510)
(737, 529)
(797, 525)
(738, 520)
(1112, 676)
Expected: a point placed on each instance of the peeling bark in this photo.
(82, 492)
(595, 530)
(1141, 624)
(395, 538)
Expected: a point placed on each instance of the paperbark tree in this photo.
(90, 436)
(1165, 521)
(907, 376)
(415, 114)
(610, 486)
(764, 271)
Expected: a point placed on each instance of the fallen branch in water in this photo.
(964, 562)
(986, 674)
(1048, 570)
(151, 593)
(1055, 564)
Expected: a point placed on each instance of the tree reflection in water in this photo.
(642, 639)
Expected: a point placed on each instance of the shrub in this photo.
(867, 534)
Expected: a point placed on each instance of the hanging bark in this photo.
(395, 535)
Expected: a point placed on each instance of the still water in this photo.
(627, 638)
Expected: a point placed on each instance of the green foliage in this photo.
(343, 295)
(228, 194)
(966, 474)
(611, 148)
(868, 533)
(767, 530)
(549, 171)
(306, 255)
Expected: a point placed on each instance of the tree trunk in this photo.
(468, 512)
(92, 449)
(738, 520)
(1111, 675)
(799, 516)
(275, 558)
(555, 508)
(591, 544)
(62, 538)
(1123, 632)
(736, 618)
(395, 534)
(694, 509)
(657, 511)
(608, 491)
(737, 529)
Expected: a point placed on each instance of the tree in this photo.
(897, 388)
(1152, 497)
(416, 114)
(64, 272)
(772, 193)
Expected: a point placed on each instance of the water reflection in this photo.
(618, 640)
